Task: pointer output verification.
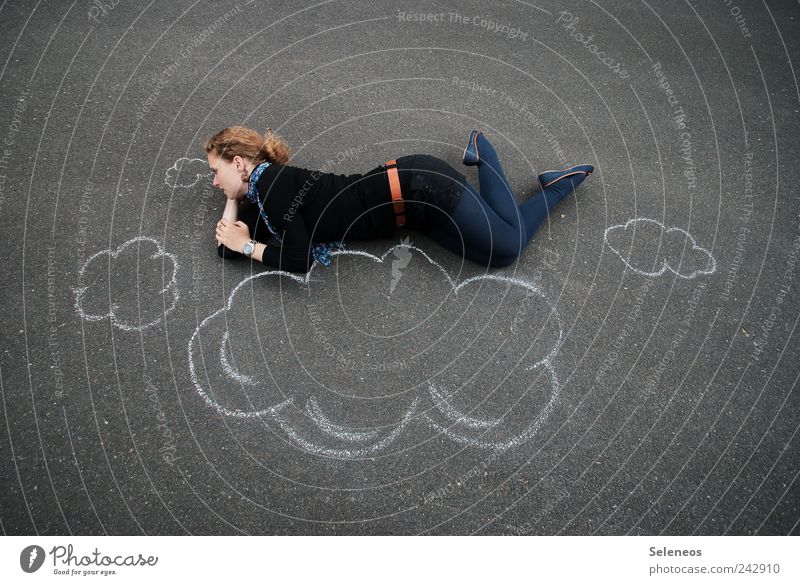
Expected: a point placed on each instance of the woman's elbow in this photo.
(300, 265)
(301, 268)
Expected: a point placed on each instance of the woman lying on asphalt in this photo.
(296, 216)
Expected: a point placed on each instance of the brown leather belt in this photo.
(397, 195)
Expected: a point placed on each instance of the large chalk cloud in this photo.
(344, 361)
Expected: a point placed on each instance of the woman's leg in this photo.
(488, 227)
(475, 231)
(498, 194)
(534, 210)
(494, 186)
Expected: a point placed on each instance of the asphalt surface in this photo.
(634, 373)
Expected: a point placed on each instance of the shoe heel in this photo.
(471, 156)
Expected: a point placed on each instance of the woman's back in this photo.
(333, 206)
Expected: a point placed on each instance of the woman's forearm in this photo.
(258, 254)
(231, 212)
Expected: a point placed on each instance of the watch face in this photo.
(248, 248)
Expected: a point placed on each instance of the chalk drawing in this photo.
(469, 430)
(460, 427)
(186, 172)
(338, 431)
(229, 369)
(341, 453)
(679, 253)
(454, 415)
(133, 321)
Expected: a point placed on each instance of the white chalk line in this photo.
(665, 265)
(450, 411)
(228, 368)
(324, 423)
(527, 434)
(178, 167)
(171, 286)
(338, 431)
(340, 453)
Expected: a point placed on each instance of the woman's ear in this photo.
(238, 162)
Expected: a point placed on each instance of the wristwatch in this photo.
(249, 248)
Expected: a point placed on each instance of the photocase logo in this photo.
(31, 558)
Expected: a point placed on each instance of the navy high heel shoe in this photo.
(548, 178)
(471, 157)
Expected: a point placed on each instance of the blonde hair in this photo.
(240, 141)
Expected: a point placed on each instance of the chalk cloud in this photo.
(186, 172)
(469, 361)
(649, 248)
(133, 285)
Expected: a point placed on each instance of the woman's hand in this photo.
(232, 234)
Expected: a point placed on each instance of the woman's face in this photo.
(228, 175)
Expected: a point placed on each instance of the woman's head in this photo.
(235, 150)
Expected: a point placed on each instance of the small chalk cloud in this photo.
(186, 172)
(134, 285)
(649, 248)
(343, 363)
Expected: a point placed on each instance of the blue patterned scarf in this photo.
(321, 252)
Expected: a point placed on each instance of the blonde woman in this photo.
(292, 216)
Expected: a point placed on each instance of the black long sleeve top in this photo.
(306, 207)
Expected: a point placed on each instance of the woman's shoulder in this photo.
(278, 184)
(273, 171)
(276, 170)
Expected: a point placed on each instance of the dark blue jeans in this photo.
(488, 227)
